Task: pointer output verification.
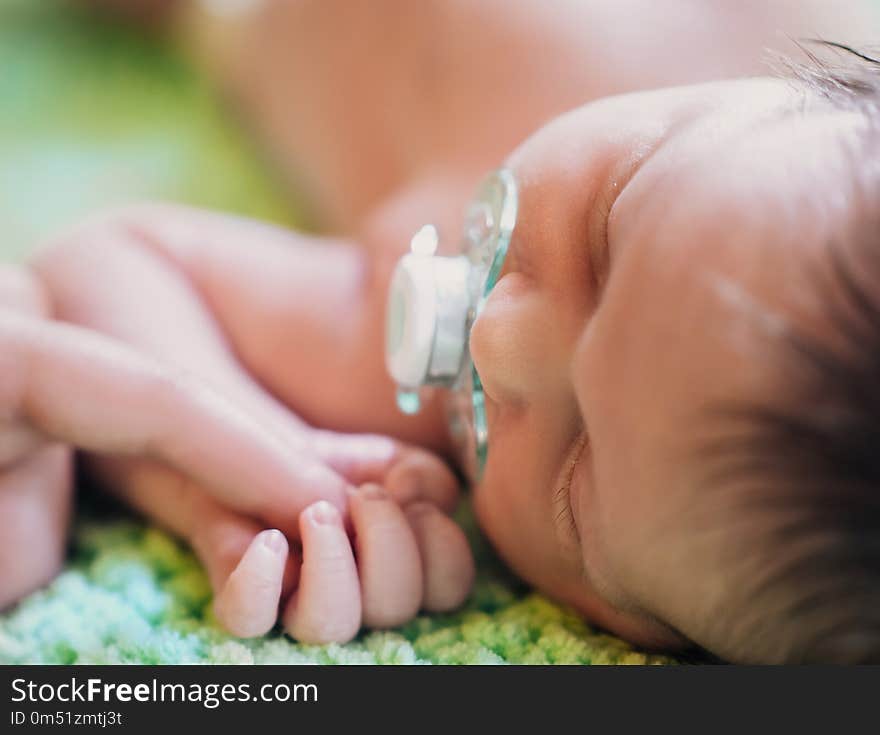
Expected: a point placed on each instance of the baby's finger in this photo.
(447, 561)
(247, 604)
(326, 608)
(247, 567)
(408, 473)
(419, 475)
(388, 559)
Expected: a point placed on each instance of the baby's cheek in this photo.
(497, 505)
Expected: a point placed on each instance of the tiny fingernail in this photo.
(323, 513)
(273, 540)
(370, 491)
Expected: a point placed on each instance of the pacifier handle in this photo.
(434, 299)
(426, 323)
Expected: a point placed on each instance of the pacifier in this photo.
(433, 302)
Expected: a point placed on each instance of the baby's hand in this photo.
(390, 551)
(399, 561)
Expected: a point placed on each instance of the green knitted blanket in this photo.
(93, 115)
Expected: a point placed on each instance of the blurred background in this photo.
(95, 112)
(100, 105)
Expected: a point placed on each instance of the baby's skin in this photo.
(254, 417)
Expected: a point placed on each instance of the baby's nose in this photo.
(513, 344)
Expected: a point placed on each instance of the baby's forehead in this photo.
(788, 180)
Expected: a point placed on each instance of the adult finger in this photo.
(99, 395)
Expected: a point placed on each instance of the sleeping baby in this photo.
(665, 328)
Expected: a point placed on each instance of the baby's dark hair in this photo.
(816, 595)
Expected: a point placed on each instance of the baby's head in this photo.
(682, 367)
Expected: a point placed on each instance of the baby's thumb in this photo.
(250, 570)
(247, 602)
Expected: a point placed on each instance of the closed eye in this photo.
(563, 517)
